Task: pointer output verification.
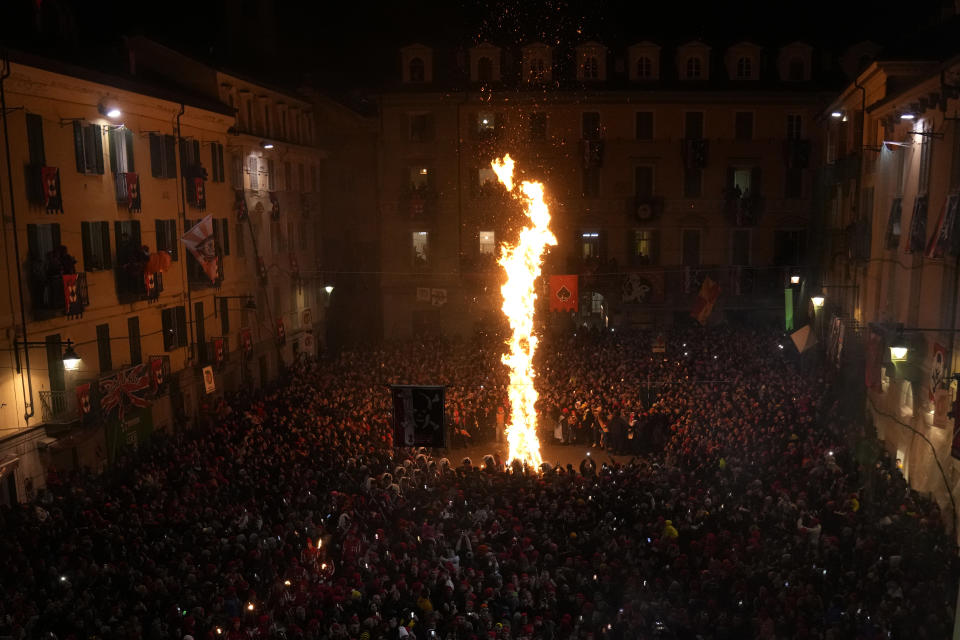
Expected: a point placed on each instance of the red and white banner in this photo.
(200, 193)
(564, 295)
(156, 372)
(246, 342)
(72, 297)
(201, 243)
(219, 350)
(52, 197)
(133, 192)
(83, 398)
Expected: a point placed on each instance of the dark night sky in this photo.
(350, 42)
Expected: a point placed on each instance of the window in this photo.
(591, 182)
(789, 247)
(537, 131)
(796, 70)
(643, 182)
(590, 125)
(103, 348)
(591, 68)
(42, 239)
(693, 124)
(691, 247)
(199, 328)
(645, 125)
(167, 239)
(287, 177)
(417, 70)
(793, 183)
(488, 244)
(120, 141)
(487, 124)
(740, 247)
(693, 68)
(253, 171)
(590, 244)
(743, 125)
(38, 156)
(96, 246)
(133, 336)
(221, 235)
(88, 147)
(642, 246)
(486, 180)
(419, 178)
(129, 269)
(266, 119)
(225, 316)
(484, 69)
(906, 399)
(271, 175)
(644, 68)
(249, 120)
(794, 126)
(241, 248)
(55, 364)
(163, 159)
(236, 171)
(174, 328)
(420, 248)
(216, 162)
(692, 183)
(744, 68)
(537, 70)
(741, 181)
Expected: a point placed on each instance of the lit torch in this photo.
(522, 264)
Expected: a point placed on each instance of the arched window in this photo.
(416, 70)
(693, 67)
(796, 70)
(484, 69)
(744, 68)
(591, 69)
(644, 67)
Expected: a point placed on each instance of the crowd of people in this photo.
(290, 514)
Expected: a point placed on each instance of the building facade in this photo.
(662, 167)
(106, 175)
(890, 271)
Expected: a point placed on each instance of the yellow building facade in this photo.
(103, 175)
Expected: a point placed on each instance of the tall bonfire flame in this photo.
(522, 264)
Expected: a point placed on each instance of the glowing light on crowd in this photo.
(522, 263)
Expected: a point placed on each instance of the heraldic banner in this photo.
(200, 241)
(418, 416)
(703, 306)
(563, 293)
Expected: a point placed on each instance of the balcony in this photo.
(419, 204)
(743, 210)
(59, 407)
(49, 296)
(132, 284)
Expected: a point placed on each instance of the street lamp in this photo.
(900, 347)
(817, 301)
(794, 279)
(328, 289)
(70, 358)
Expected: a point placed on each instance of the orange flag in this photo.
(563, 293)
(703, 307)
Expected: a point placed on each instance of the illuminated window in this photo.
(590, 242)
(488, 244)
(486, 178)
(591, 69)
(420, 248)
(643, 246)
(419, 178)
(693, 68)
(486, 123)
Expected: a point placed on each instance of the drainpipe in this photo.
(27, 387)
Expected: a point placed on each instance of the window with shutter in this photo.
(103, 348)
(96, 245)
(167, 237)
(253, 172)
(169, 156)
(88, 147)
(42, 239)
(121, 150)
(133, 337)
(35, 139)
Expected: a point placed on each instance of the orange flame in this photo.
(522, 265)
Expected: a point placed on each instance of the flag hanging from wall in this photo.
(564, 295)
(944, 239)
(83, 399)
(200, 193)
(126, 387)
(219, 350)
(200, 241)
(133, 192)
(157, 375)
(75, 294)
(246, 342)
(418, 416)
(52, 197)
(703, 306)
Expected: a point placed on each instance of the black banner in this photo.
(418, 416)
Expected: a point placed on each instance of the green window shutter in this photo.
(113, 140)
(97, 148)
(128, 138)
(170, 157)
(156, 156)
(78, 146)
(35, 139)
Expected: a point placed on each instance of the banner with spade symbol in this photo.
(563, 293)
